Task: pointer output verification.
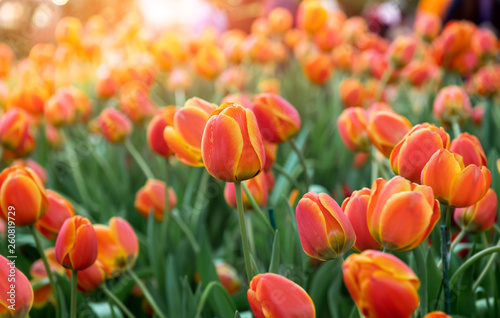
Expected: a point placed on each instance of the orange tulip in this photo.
(168, 51)
(228, 277)
(151, 198)
(479, 217)
(386, 129)
(185, 135)
(327, 38)
(419, 72)
(452, 182)
(232, 45)
(114, 125)
(69, 30)
(15, 133)
(427, 26)
(179, 79)
(117, 246)
(486, 81)
(437, 314)
(318, 69)
(355, 207)
(6, 57)
(272, 295)
(279, 20)
(401, 51)
(232, 79)
(15, 289)
(90, 278)
(469, 147)
(163, 118)
(31, 97)
(352, 92)
(381, 285)
(456, 36)
(354, 28)
(135, 102)
(325, 231)
(60, 110)
(59, 211)
(352, 125)
(401, 214)
(342, 56)
(231, 146)
(258, 189)
(484, 44)
(106, 83)
(259, 49)
(76, 245)
(22, 196)
(452, 103)
(269, 85)
(278, 120)
(209, 62)
(33, 165)
(411, 154)
(311, 16)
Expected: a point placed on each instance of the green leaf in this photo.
(434, 279)
(275, 254)
(103, 310)
(321, 282)
(173, 295)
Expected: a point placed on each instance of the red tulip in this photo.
(16, 294)
(163, 118)
(58, 212)
(469, 147)
(352, 125)
(479, 217)
(151, 198)
(386, 129)
(114, 125)
(90, 278)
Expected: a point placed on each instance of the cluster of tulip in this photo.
(82, 118)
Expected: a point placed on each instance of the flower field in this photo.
(308, 168)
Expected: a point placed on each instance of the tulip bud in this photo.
(325, 231)
(278, 120)
(342, 57)
(60, 110)
(484, 44)
(114, 125)
(22, 196)
(427, 26)
(420, 72)
(352, 125)
(279, 20)
(486, 81)
(352, 92)
(469, 147)
(452, 182)
(258, 189)
(437, 314)
(311, 16)
(6, 57)
(318, 68)
(452, 103)
(135, 102)
(90, 278)
(327, 38)
(209, 62)
(272, 295)
(163, 118)
(231, 146)
(151, 198)
(259, 49)
(381, 285)
(106, 84)
(22, 293)
(411, 154)
(386, 129)
(15, 133)
(456, 37)
(58, 212)
(76, 245)
(69, 30)
(479, 217)
(33, 165)
(54, 137)
(228, 277)
(402, 50)
(401, 214)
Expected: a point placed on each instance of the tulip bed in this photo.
(316, 170)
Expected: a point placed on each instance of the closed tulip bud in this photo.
(327, 38)
(231, 146)
(135, 102)
(278, 120)
(272, 295)
(352, 92)
(209, 62)
(270, 150)
(58, 212)
(419, 72)
(484, 44)
(401, 214)
(76, 244)
(60, 110)
(456, 37)
(355, 207)
(14, 302)
(228, 277)
(479, 217)
(15, 133)
(114, 125)
(90, 278)
(352, 125)
(342, 56)
(69, 30)
(33, 165)
(386, 129)
(258, 189)
(486, 81)
(381, 285)
(22, 195)
(151, 198)
(163, 118)
(437, 314)
(402, 50)
(117, 245)
(318, 68)
(411, 154)
(469, 147)
(311, 16)
(325, 231)
(279, 20)
(427, 26)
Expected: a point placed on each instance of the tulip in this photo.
(311, 16)
(269, 85)
(381, 285)
(6, 57)
(318, 69)
(66, 105)
(279, 20)
(14, 302)
(352, 125)
(355, 207)
(76, 244)
(38, 272)
(327, 38)
(456, 36)
(135, 102)
(402, 50)
(114, 125)
(278, 120)
(479, 217)
(386, 129)
(259, 49)
(15, 133)
(352, 92)
(325, 231)
(342, 56)
(469, 147)
(117, 246)
(231, 79)
(69, 30)
(411, 154)
(272, 295)
(90, 278)
(228, 277)
(54, 137)
(231, 146)
(106, 83)
(258, 188)
(168, 51)
(452, 104)
(419, 72)
(437, 314)
(22, 196)
(209, 62)
(486, 81)
(59, 211)
(151, 198)
(33, 165)
(30, 96)
(401, 214)
(179, 79)
(452, 182)
(427, 26)
(232, 45)
(484, 44)
(163, 118)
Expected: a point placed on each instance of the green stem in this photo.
(487, 268)
(166, 208)
(422, 275)
(256, 207)
(190, 236)
(248, 224)
(205, 295)
(180, 97)
(200, 198)
(47, 269)
(454, 244)
(244, 238)
(147, 294)
(117, 301)
(444, 258)
(471, 261)
(383, 82)
(74, 291)
(456, 127)
(283, 172)
(302, 160)
(497, 228)
(74, 163)
(139, 159)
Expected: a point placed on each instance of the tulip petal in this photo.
(125, 235)
(469, 186)
(190, 123)
(183, 152)
(84, 251)
(440, 171)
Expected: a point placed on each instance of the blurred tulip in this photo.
(437, 314)
(352, 92)
(278, 120)
(352, 125)
(452, 182)
(353, 28)
(272, 295)
(33, 165)
(106, 84)
(479, 217)
(151, 198)
(135, 102)
(15, 132)
(15, 301)
(168, 51)
(179, 79)
(401, 214)
(294, 37)
(58, 212)
(163, 118)
(76, 244)
(469, 147)
(477, 115)
(232, 79)
(427, 26)
(269, 85)
(231, 146)
(318, 69)
(90, 278)
(311, 16)
(419, 72)
(114, 125)
(31, 97)
(401, 51)
(270, 151)
(239, 98)
(464, 63)
(232, 45)
(60, 110)
(325, 231)
(484, 43)
(6, 57)
(209, 62)
(69, 30)
(342, 57)
(327, 38)
(486, 81)
(54, 137)
(411, 154)
(228, 277)
(117, 246)
(386, 129)
(381, 285)
(258, 189)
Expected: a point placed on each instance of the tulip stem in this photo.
(146, 293)
(256, 207)
(383, 82)
(166, 208)
(205, 295)
(472, 260)
(74, 283)
(454, 244)
(139, 159)
(497, 228)
(244, 238)
(486, 270)
(285, 174)
(422, 275)
(444, 258)
(201, 198)
(47, 269)
(117, 301)
(180, 97)
(302, 160)
(456, 127)
(184, 228)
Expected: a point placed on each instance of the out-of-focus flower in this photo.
(232, 79)
(386, 129)
(269, 85)
(18, 305)
(163, 118)
(54, 137)
(231, 42)
(270, 151)
(486, 81)
(114, 125)
(311, 16)
(69, 30)
(15, 133)
(401, 51)
(151, 198)
(353, 28)
(327, 38)
(59, 211)
(135, 102)
(352, 125)
(258, 189)
(437, 314)
(228, 277)
(318, 69)
(272, 295)
(477, 114)
(381, 285)
(60, 110)
(464, 63)
(179, 79)
(352, 92)
(427, 26)
(106, 83)
(294, 37)
(33, 165)
(6, 57)
(419, 72)
(210, 62)
(90, 278)
(325, 231)
(342, 57)
(453, 183)
(484, 44)
(469, 147)
(401, 214)
(479, 217)
(259, 49)
(169, 51)
(239, 98)
(279, 20)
